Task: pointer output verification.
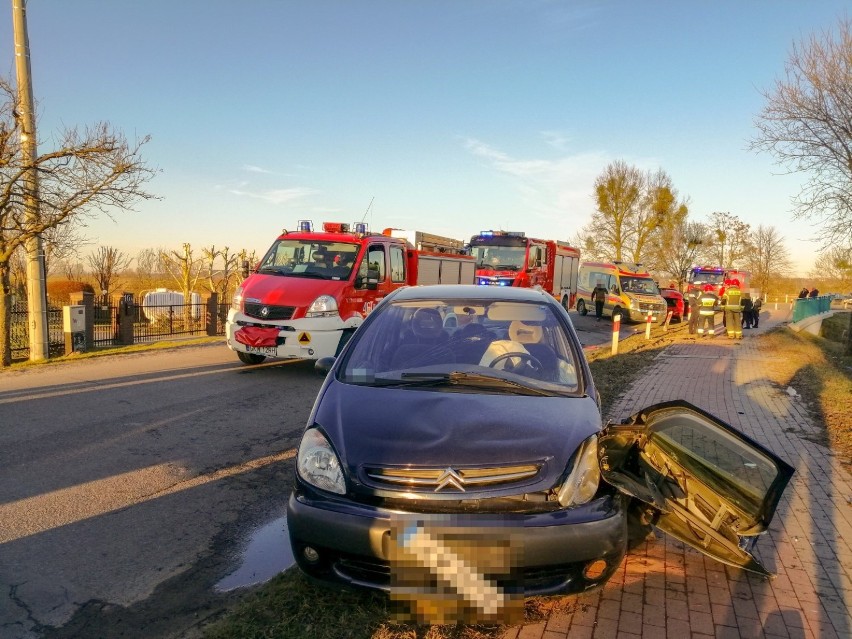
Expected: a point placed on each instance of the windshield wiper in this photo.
(461, 378)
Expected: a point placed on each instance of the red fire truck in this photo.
(312, 289)
(510, 258)
(701, 276)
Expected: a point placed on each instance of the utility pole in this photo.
(36, 284)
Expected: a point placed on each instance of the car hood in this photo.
(284, 290)
(428, 428)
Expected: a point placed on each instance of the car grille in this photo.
(253, 309)
(449, 480)
(654, 308)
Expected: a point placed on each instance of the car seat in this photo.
(424, 342)
(524, 338)
(470, 342)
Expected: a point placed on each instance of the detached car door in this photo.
(711, 486)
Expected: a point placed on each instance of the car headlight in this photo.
(582, 484)
(237, 300)
(318, 463)
(323, 306)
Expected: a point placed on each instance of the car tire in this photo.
(250, 358)
(581, 308)
(566, 302)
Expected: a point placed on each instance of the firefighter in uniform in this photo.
(733, 308)
(707, 305)
(692, 299)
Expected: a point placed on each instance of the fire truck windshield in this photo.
(698, 276)
(306, 258)
(500, 257)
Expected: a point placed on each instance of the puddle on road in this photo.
(268, 553)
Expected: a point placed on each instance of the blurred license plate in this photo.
(262, 350)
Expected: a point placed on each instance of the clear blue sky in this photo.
(455, 116)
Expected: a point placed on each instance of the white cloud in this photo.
(550, 188)
(277, 196)
(254, 169)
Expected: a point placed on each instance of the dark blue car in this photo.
(459, 435)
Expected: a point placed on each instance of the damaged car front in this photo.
(490, 424)
(457, 443)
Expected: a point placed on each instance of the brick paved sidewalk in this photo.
(666, 589)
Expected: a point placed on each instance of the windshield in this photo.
(489, 346)
(500, 257)
(306, 258)
(713, 277)
(640, 285)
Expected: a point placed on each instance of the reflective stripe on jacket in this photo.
(733, 299)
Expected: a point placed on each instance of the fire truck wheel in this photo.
(581, 307)
(250, 358)
(566, 302)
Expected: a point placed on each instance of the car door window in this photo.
(712, 486)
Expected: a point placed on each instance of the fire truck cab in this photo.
(715, 276)
(510, 258)
(312, 289)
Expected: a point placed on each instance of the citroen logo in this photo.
(264, 312)
(450, 477)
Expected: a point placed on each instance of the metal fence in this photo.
(20, 330)
(808, 306)
(151, 323)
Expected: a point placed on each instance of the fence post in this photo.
(126, 312)
(212, 318)
(87, 299)
(616, 327)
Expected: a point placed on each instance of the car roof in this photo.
(471, 292)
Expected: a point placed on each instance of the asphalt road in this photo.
(129, 484)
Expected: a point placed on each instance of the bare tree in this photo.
(807, 125)
(105, 265)
(729, 239)
(90, 172)
(230, 272)
(185, 269)
(70, 268)
(18, 273)
(618, 195)
(659, 207)
(768, 258)
(149, 268)
(678, 246)
(835, 264)
(210, 255)
(62, 243)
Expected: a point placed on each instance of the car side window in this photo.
(375, 261)
(397, 264)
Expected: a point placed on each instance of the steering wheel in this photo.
(533, 362)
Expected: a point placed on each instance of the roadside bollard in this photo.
(648, 327)
(616, 327)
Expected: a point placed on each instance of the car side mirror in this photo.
(323, 365)
(372, 279)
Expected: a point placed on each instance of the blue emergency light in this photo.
(361, 228)
(305, 226)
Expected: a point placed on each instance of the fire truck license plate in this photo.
(261, 350)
